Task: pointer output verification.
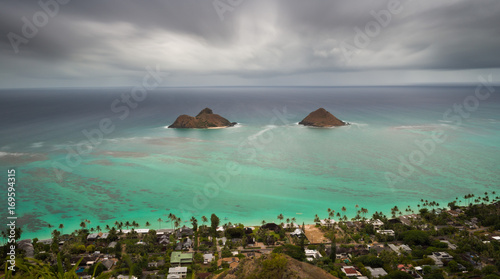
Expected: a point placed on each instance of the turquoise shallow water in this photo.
(265, 166)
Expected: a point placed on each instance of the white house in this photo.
(180, 272)
(297, 232)
(330, 223)
(376, 272)
(386, 232)
(312, 254)
(439, 257)
(207, 258)
(220, 229)
(376, 224)
(400, 248)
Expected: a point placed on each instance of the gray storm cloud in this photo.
(247, 42)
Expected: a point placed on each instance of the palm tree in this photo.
(316, 219)
(177, 223)
(98, 228)
(293, 220)
(172, 217)
(194, 222)
(263, 222)
(127, 224)
(148, 224)
(159, 222)
(49, 226)
(61, 227)
(331, 214)
(280, 217)
(83, 225)
(365, 211)
(108, 228)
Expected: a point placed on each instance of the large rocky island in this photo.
(322, 118)
(205, 119)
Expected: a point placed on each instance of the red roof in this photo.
(350, 270)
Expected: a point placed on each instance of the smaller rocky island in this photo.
(322, 118)
(206, 119)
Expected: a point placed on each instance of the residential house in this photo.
(297, 233)
(184, 231)
(164, 240)
(207, 258)
(440, 257)
(103, 235)
(220, 229)
(156, 264)
(177, 272)
(406, 219)
(376, 272)
(350, 271)
(451, 246)
(233, 261)
(223, 239)
(312, 255)
(329, 223)
(180, 258)
(400, 248)
(45, 241)
(386, 232)
(377, 224)
(27, 246)
(108, 264)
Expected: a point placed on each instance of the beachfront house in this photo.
(297, 233)
(92, 236)
(377, 224)
(329, 223)
(184, 231)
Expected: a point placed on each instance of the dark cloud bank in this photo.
(252, 42)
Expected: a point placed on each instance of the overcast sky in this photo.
(248, 42)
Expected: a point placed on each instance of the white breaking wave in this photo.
(4, 154)
(357, 124)
(259, 133)
(37, 144)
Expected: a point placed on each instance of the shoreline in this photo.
(154, 223)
